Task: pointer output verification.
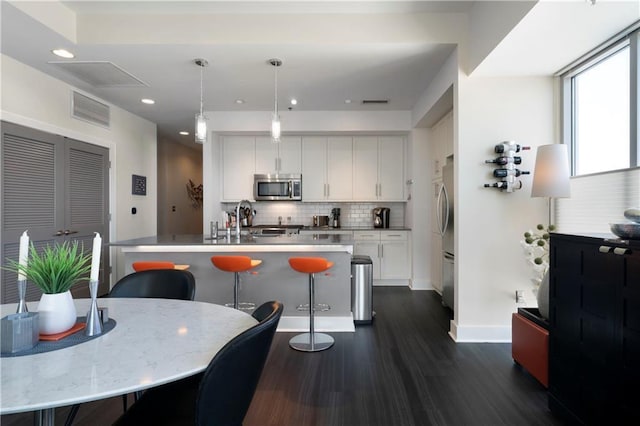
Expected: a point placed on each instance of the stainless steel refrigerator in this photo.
(444, 217)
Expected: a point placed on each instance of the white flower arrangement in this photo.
(536, 248)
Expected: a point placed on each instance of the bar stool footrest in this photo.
(243, 306)
(318, 307)
(304, 342)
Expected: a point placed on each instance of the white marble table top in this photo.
(155, 341)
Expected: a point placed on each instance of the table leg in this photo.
(45, 417)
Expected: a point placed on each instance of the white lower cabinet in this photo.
(390, 253)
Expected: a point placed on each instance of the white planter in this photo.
(57, 313)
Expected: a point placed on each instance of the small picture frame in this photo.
(138, 185)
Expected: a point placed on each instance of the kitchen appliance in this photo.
(320, 221)
(335, 217)
(381, 217)
(444, 218)
(285, 187)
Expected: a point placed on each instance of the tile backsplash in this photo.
(294, 213)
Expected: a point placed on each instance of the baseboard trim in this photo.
(289, 324)
(421, 285)
(480, 334)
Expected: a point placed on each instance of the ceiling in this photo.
(331, 50)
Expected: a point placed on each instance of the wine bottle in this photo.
(504, 185)
(509, 146)
(505, 160)
(500, 173)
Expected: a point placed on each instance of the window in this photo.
(600, 109)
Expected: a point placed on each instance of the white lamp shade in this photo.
(201, 128)
(551, 173)
(275, 128)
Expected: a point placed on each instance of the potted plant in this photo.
(55, 270)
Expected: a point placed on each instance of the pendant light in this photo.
(201, 119)
(275, 120)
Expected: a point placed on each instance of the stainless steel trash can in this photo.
(362, 289)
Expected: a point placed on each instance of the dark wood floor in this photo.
(402, 370)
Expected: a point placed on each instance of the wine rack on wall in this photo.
(506, 163)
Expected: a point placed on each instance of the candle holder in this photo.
(94, 323)
(22, 291)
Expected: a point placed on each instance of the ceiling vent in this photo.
(87, 109)
(375, 101)
(99, 73)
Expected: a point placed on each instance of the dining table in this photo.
(154, 341)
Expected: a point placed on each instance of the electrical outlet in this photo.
(520, 296)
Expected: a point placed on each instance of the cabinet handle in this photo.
(380, 191)
(275, 161)
(328, 190)
(605, 249)
(59, 233)
(621, 251)
(381, 250)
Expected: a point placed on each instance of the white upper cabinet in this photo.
(327, 168)
(238, 162)
(278, 158)
(441, 143)
(378, 168)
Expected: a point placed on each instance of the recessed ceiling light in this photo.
(63, 53)
(148, 101)
(183, 133)
(294, 101)
(239, 101)
(347, 101)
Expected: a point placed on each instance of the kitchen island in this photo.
(273, 279)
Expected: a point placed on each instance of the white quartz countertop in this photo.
(245, 240)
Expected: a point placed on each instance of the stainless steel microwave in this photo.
(286, 187)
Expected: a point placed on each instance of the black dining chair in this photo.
(223, 393)
(152, 283)
(156, 283)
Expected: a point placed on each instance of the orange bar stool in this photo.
(145, 265)
(236, 264)
(311, 341)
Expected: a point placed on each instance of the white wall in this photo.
(33, 99)
(490, 263)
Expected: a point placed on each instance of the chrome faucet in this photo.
(238, 215)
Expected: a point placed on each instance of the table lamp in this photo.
(551, 173)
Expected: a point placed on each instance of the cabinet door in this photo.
(371, 249)
(391, 168)
(266, 155)
(365, 168)
(238, 162)
(314, 168)
(339, 169)
(394, 260)
(290, 155)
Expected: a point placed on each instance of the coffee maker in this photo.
(335, 217)
(381, 217)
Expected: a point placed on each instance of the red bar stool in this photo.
(236, 264)
(311, 341)
(145, 265)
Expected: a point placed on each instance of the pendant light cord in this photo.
(201, 88)
(275, 106)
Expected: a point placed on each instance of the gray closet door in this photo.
(55, 188)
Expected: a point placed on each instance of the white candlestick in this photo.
(23, 255)
(95, 257)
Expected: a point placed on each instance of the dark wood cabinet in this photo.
(594, 329)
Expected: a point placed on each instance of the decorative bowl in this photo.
(629, 231)
(633, 215)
